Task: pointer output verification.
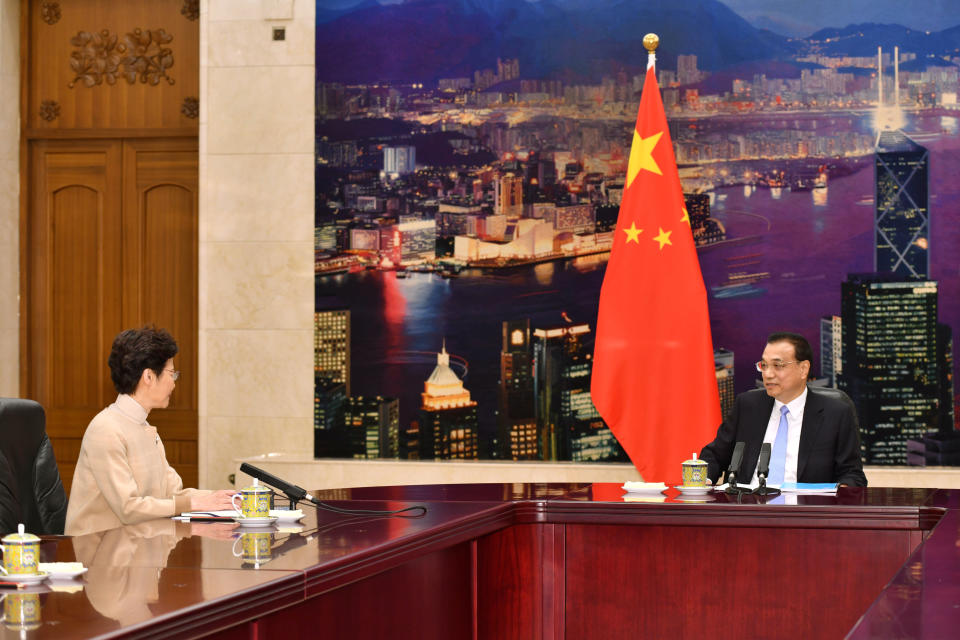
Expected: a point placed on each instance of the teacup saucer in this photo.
(694, 491)
(63, 570)
(287, 515)
(695, 498)
(25, 578)
(254, 522)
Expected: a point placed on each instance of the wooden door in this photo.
(73, 248)
(159, 274)
(109, 113)
(111, 244)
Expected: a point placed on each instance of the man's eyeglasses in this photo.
(173, 374)
(777, 366)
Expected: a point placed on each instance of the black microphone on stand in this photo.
(292, 491)
(734, 469)
(763, 468)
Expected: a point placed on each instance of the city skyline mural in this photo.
(471, 155)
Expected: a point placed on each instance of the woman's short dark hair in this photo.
(136, 350)
(801, 348)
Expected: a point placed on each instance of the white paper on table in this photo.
(644, 487)
(801, 488)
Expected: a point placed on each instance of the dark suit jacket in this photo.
(829, 438)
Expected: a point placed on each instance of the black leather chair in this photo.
(30, 488)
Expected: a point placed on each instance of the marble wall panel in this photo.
(9, 357)
(256, 436)
(258, 198)
(9, 39)
(9, 197)
(256, 231)
(246, 10)
(263, 285)
(259, 373)
(251, 43)
(260, 109)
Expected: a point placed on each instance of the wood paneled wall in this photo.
(110, 110)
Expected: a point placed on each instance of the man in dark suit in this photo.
(813, 430)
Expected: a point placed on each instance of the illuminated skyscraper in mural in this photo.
(948, 398)
(373, 425)
(831, 349)
(706, 230)
(723, 361)
(517, 416)
(329, 402)
(448, 425)
(902, 225)
(687, 72)
(331, 377)
(418, 239)
(940, 447)
(890, 367)
(331, 342)
(570, 427)
(398, 161)
(508, 195)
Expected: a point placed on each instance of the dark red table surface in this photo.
(489, 492)
(170, 572)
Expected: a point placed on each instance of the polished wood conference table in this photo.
(521, 561)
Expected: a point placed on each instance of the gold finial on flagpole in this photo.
(651, 41)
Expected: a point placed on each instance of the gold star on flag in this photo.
(663, 238)
(686, 216)
(633, 234)
(641, 156)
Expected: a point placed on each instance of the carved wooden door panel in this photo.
(105, 68)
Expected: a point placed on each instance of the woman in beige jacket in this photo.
(122, 474)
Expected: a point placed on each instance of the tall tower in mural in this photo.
(723, 364)
(569, 426)
(508, 195)
(902, 224)
(372, 427)
(890, 364)
(831, 349)
(449, 427)
(517, 417)
(331, 342)
(331, 377)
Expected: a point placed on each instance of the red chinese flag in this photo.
(653, 371)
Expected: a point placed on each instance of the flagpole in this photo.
(653, 322)
(650, 42)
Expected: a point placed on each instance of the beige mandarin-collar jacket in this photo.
(122, 474)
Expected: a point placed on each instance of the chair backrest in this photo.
(30, 488)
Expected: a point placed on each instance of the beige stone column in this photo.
(9, 198)
(256, 231)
